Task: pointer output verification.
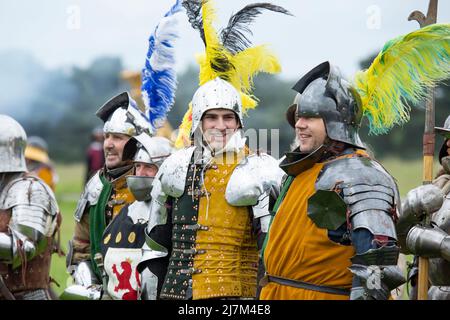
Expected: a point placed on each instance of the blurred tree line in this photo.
(60, 106)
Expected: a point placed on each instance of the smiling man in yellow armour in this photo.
(336, 210)
(210, 200)
(336, 214)
(334, 219)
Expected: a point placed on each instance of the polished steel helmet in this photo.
(149, 150)
(121, 114)
(444, 131)
(152, 150)
(324, 93)
(215, 94)
(13, 141)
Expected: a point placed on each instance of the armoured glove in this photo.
(423, 199)
(429, 242)
(418, 202)
(376, 281)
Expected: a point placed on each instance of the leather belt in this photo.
(304, 285)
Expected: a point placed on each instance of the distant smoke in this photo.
(58, 105)
(20, 79)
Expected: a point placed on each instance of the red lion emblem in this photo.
(124, 280)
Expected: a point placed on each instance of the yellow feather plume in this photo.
(250, 62)
(239, 69)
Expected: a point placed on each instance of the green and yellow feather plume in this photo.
(401, 74)
(229, 55)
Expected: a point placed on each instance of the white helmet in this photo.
(149, 150)
(122, 115)
(215, 94)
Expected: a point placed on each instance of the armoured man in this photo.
(210, 200)
(210, 205)
(28, 221)
(124, 238)
(106, 193)
(432, 241)
(333, 234)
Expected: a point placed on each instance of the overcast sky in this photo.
(70, 32)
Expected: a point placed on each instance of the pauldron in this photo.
(33, 219)
(89, 196)
(252, 179)
(29, 191)
(366, 200)
(173, 171)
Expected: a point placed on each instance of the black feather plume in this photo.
(233, 36)
(194, 13)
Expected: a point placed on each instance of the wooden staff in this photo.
(428, 144)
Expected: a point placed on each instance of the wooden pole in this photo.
(428, 144)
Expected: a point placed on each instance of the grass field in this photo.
(407, 173)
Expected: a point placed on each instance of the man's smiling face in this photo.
(311, 133)
(218, 126)
(113, 148)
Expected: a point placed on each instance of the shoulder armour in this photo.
(173, 172)
(254, 176)
(139, 211)
(158, 210)
(364, 188)
(89, 196)
(29, 191)
(351, 172)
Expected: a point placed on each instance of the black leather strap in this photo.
(307, 286)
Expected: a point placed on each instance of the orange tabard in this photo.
(229, 266)
(297, 249)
